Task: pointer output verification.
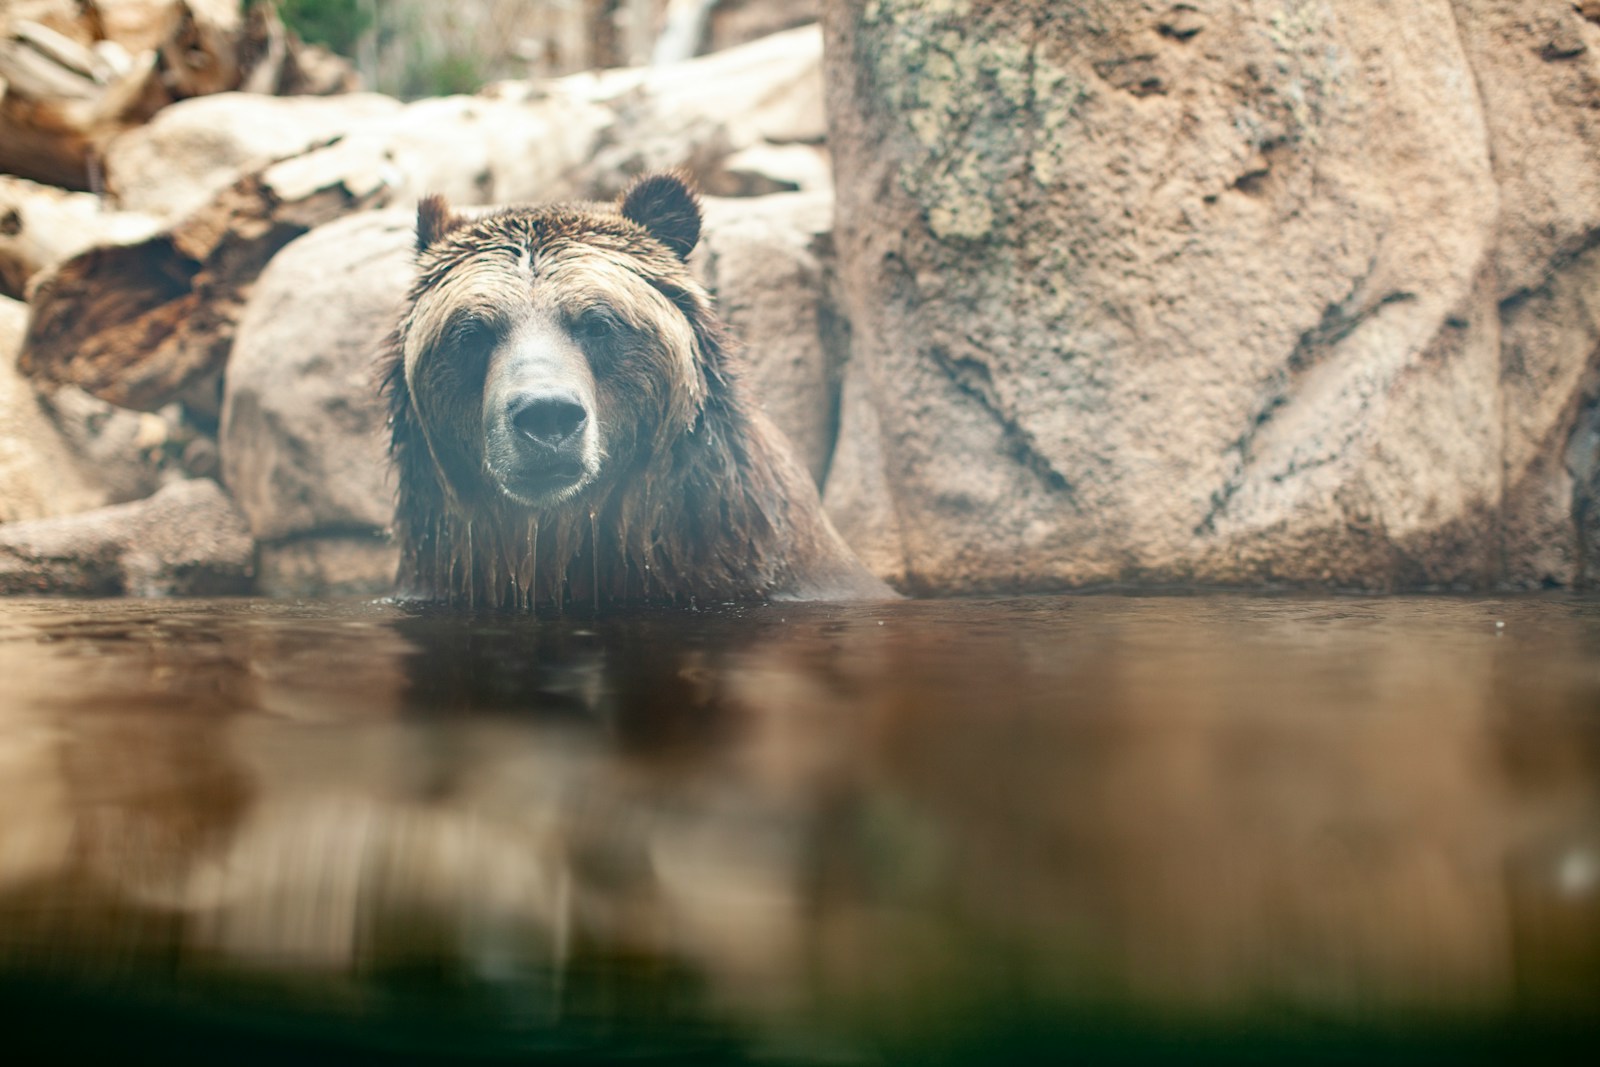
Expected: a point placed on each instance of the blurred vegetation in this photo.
(335, 24)
(414, 48)
(442, 75)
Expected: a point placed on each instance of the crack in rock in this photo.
(975, 380)
(1337, 323)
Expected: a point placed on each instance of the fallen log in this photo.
(40, 226)
(141, 324)
(74, 76)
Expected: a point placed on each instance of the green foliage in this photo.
(338, 24)
(443, 76)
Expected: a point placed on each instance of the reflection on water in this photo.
(886, 833)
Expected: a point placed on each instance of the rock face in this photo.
(1223, 293)
(302, 426)
(186, 540)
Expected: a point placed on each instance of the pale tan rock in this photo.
(857, 496)
(770, 168)
(61, 450)
(1542, 111)
(697, 113)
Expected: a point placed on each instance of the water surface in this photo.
(1112, 828)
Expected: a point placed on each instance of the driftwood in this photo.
(76, 75)
(40, 226)
(138, 325)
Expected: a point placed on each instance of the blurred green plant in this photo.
(335, 24)
(443, 75)
(417, 48)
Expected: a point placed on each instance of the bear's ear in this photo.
(666, 206)
(435, 220)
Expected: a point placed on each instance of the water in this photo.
(1113, 829)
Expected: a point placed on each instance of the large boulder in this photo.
(302, 442)
(1539, 76)
(1230, 293)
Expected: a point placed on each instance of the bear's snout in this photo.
(548, 422)
(541, 424)
(543, 445)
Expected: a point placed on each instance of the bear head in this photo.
(548, 351)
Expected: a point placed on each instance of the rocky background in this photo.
(1248, 293)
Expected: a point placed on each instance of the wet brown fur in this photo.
(699, 499)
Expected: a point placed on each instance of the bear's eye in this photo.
(470, 335)
(596, 324)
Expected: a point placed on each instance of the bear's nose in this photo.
(548, 420)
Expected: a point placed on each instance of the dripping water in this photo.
(513, 573)
(470, 570)
(594, 559)
(505, 592)
(533, 562)
(452, 557)
(624, 552)
(440, 582)
(533, 555)
(562, 557)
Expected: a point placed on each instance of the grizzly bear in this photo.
(570, 425)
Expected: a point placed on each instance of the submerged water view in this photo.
(1102, 828)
